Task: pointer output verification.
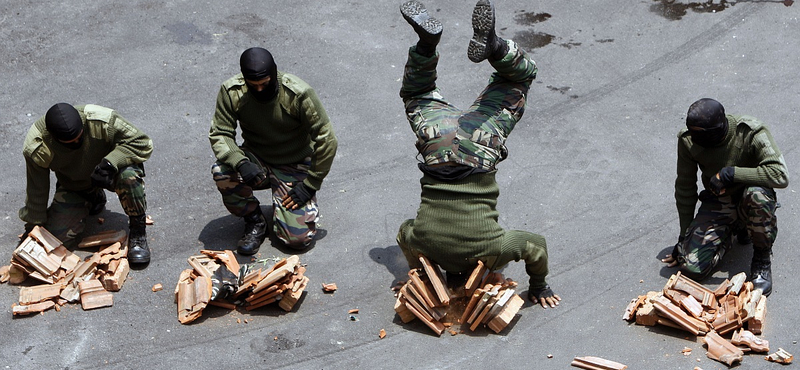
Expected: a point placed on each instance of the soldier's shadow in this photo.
(736, 260)
(393, 259)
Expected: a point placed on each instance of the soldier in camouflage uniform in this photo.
(456, 224)
(89, 148)
(288, 147)
(740, 166)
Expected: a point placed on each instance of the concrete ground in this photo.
(591, 167)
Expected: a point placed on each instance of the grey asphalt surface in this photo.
(591, 167)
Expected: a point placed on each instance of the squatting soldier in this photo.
(740, 165)
(90, 148)
(289, 146)
(456, 223)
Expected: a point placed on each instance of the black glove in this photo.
(103, 175)
(301, 194)
(251, 174)
(725, 179)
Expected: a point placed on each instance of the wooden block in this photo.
(721, 350)
(750, 307)
(630, 310)
(756, 323)
(291, 296)
(277, 274)
(184, 277)
(485, 311)
(669, 310)
(36, 256)
(748, 339)
(405, 314)
(108, 237)
(436, 326)
(21, 310)
(692, 306)
(737, 282)
(504, 317)
(722, 288)
(475, 279)
(48, 241)
(482, 303)
(113, 282)
(94, 296)
(503, 297)
(412, 302)
(261, 304)
(226, 257)
(596, 363)
(193, 297)
(436, 279)
(45, 279)
(421, 288)
(38, 293)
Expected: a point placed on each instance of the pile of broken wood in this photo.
(732, 308)
(488, 298)
(252, 287)
(65, 277)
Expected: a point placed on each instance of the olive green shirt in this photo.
(285, 130)
(748, 147)
(105, 135)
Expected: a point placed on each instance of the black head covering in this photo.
(64, 123)
(256, 64)
(706, 122)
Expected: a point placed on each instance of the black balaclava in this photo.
(64, 123)
(707, 123)
(257, 64)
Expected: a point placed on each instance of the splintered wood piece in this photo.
(436, 279)
(421, 288)
(669, 310)
(781, 357)
(112, 252)
(45, 238)
(634, 305)
(22, 310)
(157, 287)
(197, 264)
(493, 278)
(86, 268)
(93, 295)
(596, 363)
(692, 306)
(748, 339)
(405, 314)
(329, 287)
(71, 292)
(38, 293)
(436, 326)
(484, 312)
(473, 301)
(703, 295)
(646, 315)
(193, 297)
(291, 296)
(70, 260)
(503, 297)
(226, 257)
(184, 277)
(278, 273)
(37, 256)
(506, 314)
(113, 282)
(482, 303)
(46, 279)
(475, 278)
(756, 323)
(749, 308)
(418, 307)
(721, 350)
(722, 288)
(261, 303)
(737, 282)
(104, 238)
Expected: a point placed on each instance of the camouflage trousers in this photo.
(292, 227)
(69, 209)
(719, 218)
(515, 245)
(487, 122)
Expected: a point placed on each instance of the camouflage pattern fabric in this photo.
(710, 234)
(515, 245)
(474, 137)
(69, 209)
(292, 227)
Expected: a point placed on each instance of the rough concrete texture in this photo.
(591, 167)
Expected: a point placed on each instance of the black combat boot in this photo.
(485, 43)
(428, 28)
(761, 270)
(255, 231)
(138, 251)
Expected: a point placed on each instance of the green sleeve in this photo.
(131, 145)
(325, 143)
(223, 131)
(37, 193)
(685, 186)
(771, 169)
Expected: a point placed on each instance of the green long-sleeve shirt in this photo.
(105, 135)
(457, 221)
(748, 147)
(285, 130)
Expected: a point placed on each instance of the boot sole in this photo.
(482, 27)
(417, 16)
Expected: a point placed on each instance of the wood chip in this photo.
(355, 310)
(382, 334)
(329, 287)
(157, 287)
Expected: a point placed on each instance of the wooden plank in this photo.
(756, 324)
(721, 350)
(418, 310)
(436, 279)
(93, 295)
(405, 314)
(596, 363)
(193, 297)
(48, 241)
(104, 238)
(421, 288)
(113, 282)
(630, 310)
(473, 301)
(278, 273)
(436, 326)
(674, 313)
(21, 310)
(474, 279)
(38, 293)
(485, 311)
(482, 303)
(35, 255)
(504, 317)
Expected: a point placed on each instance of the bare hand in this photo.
(289, 203)
(670, 261)
(551, 301)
